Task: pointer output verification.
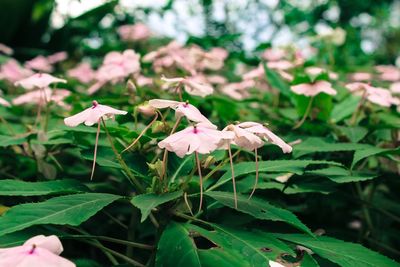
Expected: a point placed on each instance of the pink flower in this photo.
(57, 57)
(136, 32)
(361, 76)
(388, 73)
(244, 138)
(315, 71)
(395, 88)
(194, 85)
(92, 115)
(238, 90)
(116, 66)
(376, 95)
(143, 80)
(5, 49)
(273, 54)
(312, 89)
(39, 63)
(13, 72)
(181, 109)
(38, 80)
(39, 251)
(263, 132)
(202, 138)
(83, 72)
(43, 96)
(255, 73)
(4, 102)
(280, 65)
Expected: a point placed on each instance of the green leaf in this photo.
(245, 248)
(316, 144)
(70, 210)
(342, 175)
(259, 209)
(343, 253)
(370, 151)
(11, 140)
(147, 202)
(176, 248)
(355, 133)
(276, 81)
(345, 108)
(280, 166)
(21, 188)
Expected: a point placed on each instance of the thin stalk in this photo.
(187, 203)
(360, 105)
(10, 130)
(219, 166)
(165, 155)
(233, 176)
(123, 164)
(95, 149)
(364, 208)
(141, 134)
(117, 254)
(115, 220)
(201, 180)
(256, 181)
(306, 113)
(112, 240)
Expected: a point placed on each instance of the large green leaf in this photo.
(343, 253)
(370, 151)
(11, 140)
(245, 248)
(176, 248)
(345, 108)
(280, 166)
(147, 202)
(316, 144)
(71, 210)
(21, 188)
(259, 209)
(342, 175)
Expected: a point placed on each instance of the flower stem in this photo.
(201, 180)
(121, 161)
(95, 149)
(256, 181)
(141, 134)
(233, 176)
(165, 155)
(306, 113)
(112, 240)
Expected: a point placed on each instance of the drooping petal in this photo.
(52, 243)
(39, 80)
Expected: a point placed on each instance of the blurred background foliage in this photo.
(44, 26)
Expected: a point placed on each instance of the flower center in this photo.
(32, 249)
(94, 103)
(195, 130)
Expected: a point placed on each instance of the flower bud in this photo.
(146, 110)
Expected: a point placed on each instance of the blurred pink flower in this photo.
(116, 66)
(181, 109)
(143, 80)
(135, 32)
(312, 89)
(39, 251)
(280, 65)
(216, 79)
(38, 80)
(57, 57)
(273, 54)
(239, 90)
(395, 88)
(92, 115)
(83, 72)
(255, 73)
(361, 76)
(42, 96)
(12, 71)
(39, 63)
(376, 95)
(388, 73)
(195, 85)
(6, 50)
(315, 71)
(202, 138)
(4, 102)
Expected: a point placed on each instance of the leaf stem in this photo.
(306, 113)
